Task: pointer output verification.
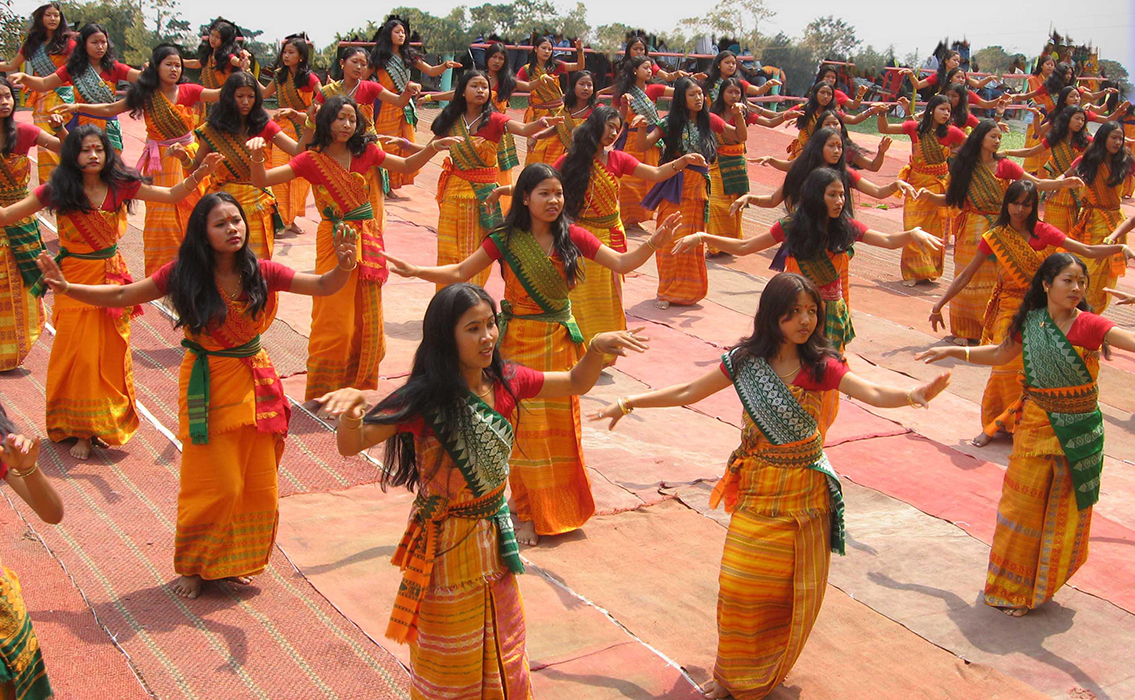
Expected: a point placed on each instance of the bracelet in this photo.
(349, 269)
(428, 98)
(674, 165)
(23, 475)
(650, 244)
(625, 405)
(967, 353)
(350, 423)
(910, 398)
(309, 124)
(258, 162)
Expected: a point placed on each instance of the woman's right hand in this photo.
(922, 395)
(738, 204)
(400, 267)
(178, 151)
(760, 160)
(685, 244)
(52, 275)
(611, 411)
(65, 108)
(936, 320)
(255, 143)
(1121, 298)
(18, 452)
(344, 402)
(932, 355)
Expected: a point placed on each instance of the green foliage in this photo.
(869, 62)
(12, 28)
(1114, 70)
(830, 38)
(794, 59)
(992, 59)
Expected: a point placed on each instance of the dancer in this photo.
(294, 85)
(21, 313)
(831, 119)
(952, 61)
(542, 73)
(820, 98)
(21, 664)
(1065, 142)
(824, 150)
(240, 117)
(167, 103)
(729, 174)
(637, 98)
(784, 497)
(636, 46)
(828, 74)
(46, 48)
(554, 142)
(232, 412)
(90, 377)
(1018, 243)
(979, 176)
(723, 67)
(592, 174)
(1106, 163)
(347, 341)
(1045, 513)
(541, 260)
(94, 74)
(689, 129)
(392, 59)
(354, 63)
(469, 175)
(932, 140)
(449, 432)
(218, 56)
(818, 240)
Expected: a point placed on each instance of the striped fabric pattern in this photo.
(682, 278)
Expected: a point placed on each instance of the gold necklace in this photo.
(792, 373)
(487, 391)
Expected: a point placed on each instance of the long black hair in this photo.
(810, 230)
(1040, 61)
(506, 79)
(585, 143)
(223, 54)
(713, 73)
(520, 219)
(328, 113)
(813, 106)
(811, 158)
(226, 116)
(303, 68)
(627, 78)
(457, 106)
(959, 113)
(192, 285)
(778, 300)
(1016, 190)
(826, 68)
(719, 107)
(1061, 129)
(552, 63)
(141, 92)
(384, 44)
(436, 386)
(344, 54)
(968, 158)
(927, 124)
(37, 35)
(1121, 163)
(676, 122)
(950, 79)
(78, 62)
(67, 193)
(850, 148)
(942, 72)
(569, 97)
(8, 126)
(1037, 298)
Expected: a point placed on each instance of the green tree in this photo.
(609, 37)
(741, 19)
(492, 18)
(12, 28)
(993, 59)
(1114, 70)
(830, 38)
(794, 59)
(118, 16)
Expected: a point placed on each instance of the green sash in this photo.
(40, 287)
(399, 74)
(1061, 162)
(43, 66)
(540, 278)
(734, 174)
(1053, 367)
(641, 104)
(197, 395)
(481, 448)
(93, 89)
(782, 420)
(464, 156)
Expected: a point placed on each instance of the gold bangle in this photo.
(349, 269)
(625, 405)
(910, 398)
(650, 244)
(309, 124)
(351, 423)
(967, 353)
(23, 475)
(262, 160)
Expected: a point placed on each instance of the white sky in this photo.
(1019, 26)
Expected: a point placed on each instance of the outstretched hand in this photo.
(52, 274)
(932, 355)
(18, 452)
(344, 402)
(618, 342)
(686, 244)
(926, 240)
(400, 267)
(1121, 298)
(923, 395)
(664, 232)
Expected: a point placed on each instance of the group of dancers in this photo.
(220, 177)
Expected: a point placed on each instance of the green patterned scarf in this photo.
(782, 420)
(197, 394)
(399, 74)
(641, 104)
(1060, 383)
(43, 66)
(540, 278)
(94, 90)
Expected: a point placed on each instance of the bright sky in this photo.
(1017, 26)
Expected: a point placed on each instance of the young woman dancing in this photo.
(46, 48)
(218, 56)
(541, 260)
(784, 496)
(167, 103)
(820, 98)
(637, 97)
(1018, 243)
(347, 340)
(542, 73)
(1045, 513)
(94, 74)
(392, 59)
(554, 142)
(979, 176)
(449, 433)
(21, 313)
(232, 412)
(1064, 142)
(855, 156)
(90, 378)
(723, 67)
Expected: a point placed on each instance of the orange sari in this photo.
(1099, 215)
(235, 177)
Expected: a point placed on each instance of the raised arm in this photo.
(287, 144)
(443, 274)
(191, 63)
(435, 71)
(677, 395)
(346, 248)
(1039, 148)
(887, 396)
(876, 163)
(21, 455)
(173, 195)
(1120, 338)
(1095, 252)
(400, 99)
(580, 378)
(885, 127)
(276, 176)
(1120, 233)
(52, 142)
(918, 83)
(860, 93)
(864, 115)
(779, 163)
(883, 191)
(580, 61)
(106, 295)
(352, 436)
(414, 163)
(739, 128)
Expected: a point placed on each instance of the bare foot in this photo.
(909, 283)
(1015, 612)
(294, 228)
(526, 533)
(81, 449)
(661, 304)
(961, 342)
(241, 580)
(714, 691)
(981, 440)
(188, 586)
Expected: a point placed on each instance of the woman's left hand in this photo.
(612, 411)
(686, 244)
(52, 274)
(1121, 298)
(56, 121)
(884, 146)
(453, 64)
(287, 113)
(18, 452)
(346, 245)
(926, 240)
(695, 159)
(210, 163)
(446, 143)
(664, 232)
(923, 395)
(906, 189)
(545, 122)
(618, 342)
(1070, 182)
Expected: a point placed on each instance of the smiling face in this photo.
(833, 150)
(477, 91)
(97, 45)
(169, 70)
(354, 66)
(476, 335)
(610, 131)
(797, 326)
(92, 156)
(834, 198)
(7, 102)
(226, 228)
(546, 200)
(345, 124)
(1068, 288)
